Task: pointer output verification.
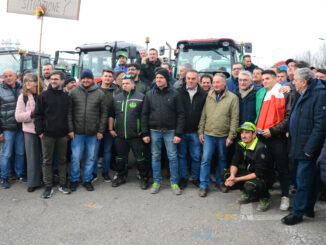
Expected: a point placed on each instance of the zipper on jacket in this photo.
(125, 120)
(122, 105)
(138, 125)
(114, 124)
(85, 112)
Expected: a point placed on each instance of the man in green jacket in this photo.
(217, 129)
(87, 121)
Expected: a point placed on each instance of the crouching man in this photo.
(251, 168)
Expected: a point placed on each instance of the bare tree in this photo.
(317, 59)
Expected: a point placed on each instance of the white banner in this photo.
(66, 9)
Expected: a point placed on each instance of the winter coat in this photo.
(8, 101)
(308, 129)
(127, 113)
(162, 110)
(247, 106)
(51, 113)
(147, 69)
(322, 163)
(25, 112)
(193, 109)
(88, 112)
(232, 84)
(180, 83)
(141, 87)
(220, 118)
(251, 68)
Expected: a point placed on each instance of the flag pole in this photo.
(39, 58)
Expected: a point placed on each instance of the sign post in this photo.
(65, 9)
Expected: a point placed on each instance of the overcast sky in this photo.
(278, 29)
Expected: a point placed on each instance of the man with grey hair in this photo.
(307, 132)
(184, 68)
(217, 129)
(247, 97)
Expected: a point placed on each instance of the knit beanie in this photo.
(87, 73)
(164, 73)
(68, 79)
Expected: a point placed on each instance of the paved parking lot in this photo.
(129, 215)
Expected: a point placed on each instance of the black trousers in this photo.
(278, 150)
(122, 147)
(254, 188)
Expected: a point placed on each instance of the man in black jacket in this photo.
(193, 98)
(124, 126)
(251, 168)
(148, 66)
(87, 121)
(163, 119)
(51, 124)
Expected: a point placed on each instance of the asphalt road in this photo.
(129, 215)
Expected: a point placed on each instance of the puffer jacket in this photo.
(8, 101)
(162, 110)
(24, 113)
(220, 118)
(127, 113)
(88, 112)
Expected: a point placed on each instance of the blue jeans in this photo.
(171, 150)
(210, 143)
(306, 195)
(77, 149)
(107, 141)
(14, 141)
(189, 142)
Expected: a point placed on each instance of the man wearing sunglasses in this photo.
(124, 126)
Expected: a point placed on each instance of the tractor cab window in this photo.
(96, 61)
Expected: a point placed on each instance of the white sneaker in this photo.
(285, 203)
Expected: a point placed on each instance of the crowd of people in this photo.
(242, 130)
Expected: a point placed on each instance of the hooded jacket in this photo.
(147, 69)
(127, 107)
(51, 113)
(88, 112)
(162, 110)
(193, 109)
(8, 101)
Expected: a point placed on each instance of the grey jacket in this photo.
(8, 101)
(88, 111)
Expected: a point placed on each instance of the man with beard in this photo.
(134, 71)
(47, 70)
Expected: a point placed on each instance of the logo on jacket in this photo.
(132, 105)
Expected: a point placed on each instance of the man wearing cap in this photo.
(251, 168)
(217, 129)
(69, 83)
(163, 119)
(87, 121)
(123, 59)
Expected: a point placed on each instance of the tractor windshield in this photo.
(96, 61)
(9, 61)
(204, 59)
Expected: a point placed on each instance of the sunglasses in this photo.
(126, 76)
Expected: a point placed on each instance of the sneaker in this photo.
(5, 183)
(64, 189)
(88, 186)
(47, 193)
(285, 203)
(74, 185)
(155, 188)
(176, 190)
(264, 204)
(244, 199)
(196, 182)
(94, 178)
(22, 179)
(202, 192)
(183, 183)
(117, 182)
(222, 188)
(144, 184)
(106, 177)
